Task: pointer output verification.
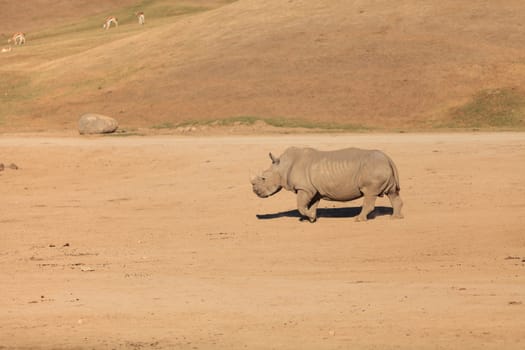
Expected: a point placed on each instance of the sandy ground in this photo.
(155, 243)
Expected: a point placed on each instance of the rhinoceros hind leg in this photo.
(369, 203)
(397, 204)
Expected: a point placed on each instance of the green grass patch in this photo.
(166, 125)
(123, 134)
(243, 120)
(497, 108)
(280, 122)
(171, 11)
(155, 11)
(298, 123)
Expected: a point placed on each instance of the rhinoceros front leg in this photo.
(307, 204)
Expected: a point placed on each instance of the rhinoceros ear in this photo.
(274, 159)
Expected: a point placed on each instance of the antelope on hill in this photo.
(109, 20)
(18, 38)
(141, 17)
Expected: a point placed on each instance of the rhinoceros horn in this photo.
(253, 176)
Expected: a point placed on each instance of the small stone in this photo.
(13, 166)
(2, 167)
(86, 269)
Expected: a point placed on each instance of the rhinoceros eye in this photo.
(263, 178)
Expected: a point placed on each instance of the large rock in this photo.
(92, 123)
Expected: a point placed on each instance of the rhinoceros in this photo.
(341, 175)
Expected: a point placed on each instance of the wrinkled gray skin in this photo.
(341, 175)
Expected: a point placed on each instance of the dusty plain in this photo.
(159, 243)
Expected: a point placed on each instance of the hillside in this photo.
(33, 15)
(415, 65)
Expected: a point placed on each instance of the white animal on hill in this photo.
(109, 20)
(6, 49)
(18, 38)
(141, 17)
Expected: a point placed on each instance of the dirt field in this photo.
(155, 243)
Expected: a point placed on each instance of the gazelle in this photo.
(141, 17)
(109, 20)
(6, 49)
(17, 38)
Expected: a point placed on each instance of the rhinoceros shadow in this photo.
(348, 212)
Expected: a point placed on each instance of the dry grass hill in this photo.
(330, 63)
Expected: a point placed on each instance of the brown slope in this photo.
(30, 15)
(361, 62)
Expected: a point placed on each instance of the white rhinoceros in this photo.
(341, 175)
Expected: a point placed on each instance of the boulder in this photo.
(92, 123)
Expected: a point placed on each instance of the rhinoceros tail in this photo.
(396, 174)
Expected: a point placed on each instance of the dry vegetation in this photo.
(337, 64)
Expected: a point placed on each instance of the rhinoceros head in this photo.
(269, 182)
